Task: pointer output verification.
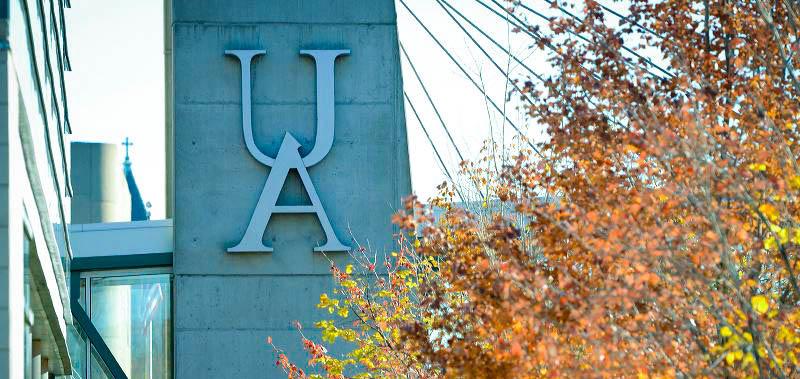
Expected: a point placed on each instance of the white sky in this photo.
(116, 88)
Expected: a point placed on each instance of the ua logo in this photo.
(288, 157)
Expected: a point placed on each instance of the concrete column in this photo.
(99, 190)
(36, 363)
(227, 304)
(45, 373)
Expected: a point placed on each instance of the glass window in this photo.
(99, 369)
(78, 349)
(133, 314)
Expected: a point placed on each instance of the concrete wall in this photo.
(226, 305)
(100, 192)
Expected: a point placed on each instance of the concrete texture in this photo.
(226, 305)
(288, 11)
(99, 190)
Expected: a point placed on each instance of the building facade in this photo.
(35, 190)
(286, 148)
(290, 151)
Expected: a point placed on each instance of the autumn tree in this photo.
(655, 232)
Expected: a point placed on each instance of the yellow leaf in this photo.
(772, 313)
(349, 283)
(760, 304)
(730, 358)
(725, 331)
(769, 211)
(348, 269)
(794, 182)
(783, 233)
(770, 243)
(323, 301)
(748, 359)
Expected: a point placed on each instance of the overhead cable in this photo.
(580, 20)
(612, 119)
(430, 100)
(435, 150)
(520, 25)
(494, 42)
(474, 83)
(486, 54)
(630, 20)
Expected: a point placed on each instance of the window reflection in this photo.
(99, 369)
(77, 350)
(133, 315)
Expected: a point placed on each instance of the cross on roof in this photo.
(127, 145)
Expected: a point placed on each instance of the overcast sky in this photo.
(116, 88)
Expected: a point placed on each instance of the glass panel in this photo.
(26, 311)
(28, 352)
(133, 315)
(77, 351)
(99, 369)
(82, 294)
(26, 267)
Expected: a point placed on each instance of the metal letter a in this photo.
(288, 158)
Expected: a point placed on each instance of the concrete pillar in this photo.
(227, 304)
(45, 374)
(36, 364)
(99, 190)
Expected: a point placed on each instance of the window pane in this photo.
(28, 333)
(99, 369)
(133, 315)
(77, 351)
(82, 294)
